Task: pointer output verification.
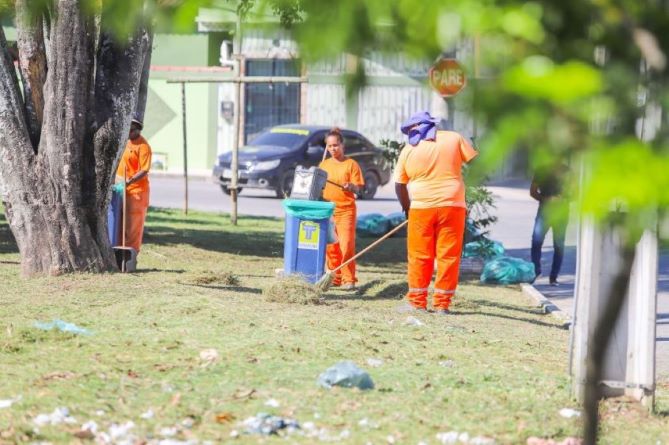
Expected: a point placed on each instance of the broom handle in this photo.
(125, 184)
(371, 246)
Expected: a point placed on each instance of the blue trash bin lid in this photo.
(312, 210)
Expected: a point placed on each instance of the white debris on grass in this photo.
(100, 413)
(168, 431)
(272, 403)
(447, 363)
(568, 413)
(455, 437)
(90, 426)
(148, 414)
(374, 362)
(209, 356)
(366, 423)
(6, 403)
(58, 416)
(413, 321)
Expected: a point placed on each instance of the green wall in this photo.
(163, 125)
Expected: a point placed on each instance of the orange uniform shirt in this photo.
(136, 157)
(432, 170)
(341, 172)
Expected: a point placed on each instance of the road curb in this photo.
(547, 305)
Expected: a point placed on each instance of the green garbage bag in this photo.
(483, 248)
(471, 232)
(395, 219)
(372, 224)
(309, 210)
(507, 270)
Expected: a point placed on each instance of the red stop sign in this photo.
(447, 77)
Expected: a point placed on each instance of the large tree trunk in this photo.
(60, 142)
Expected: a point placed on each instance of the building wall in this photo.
(178, 56)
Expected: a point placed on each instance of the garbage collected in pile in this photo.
(498, 268)
(375, 225)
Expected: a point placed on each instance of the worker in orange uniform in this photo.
(134, 165)
(430, 188)
(344, 182)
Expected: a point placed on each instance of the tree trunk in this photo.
(60, 142)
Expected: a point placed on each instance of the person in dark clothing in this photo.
(547, 186)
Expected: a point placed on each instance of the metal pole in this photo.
(183, 112)
(234, 167)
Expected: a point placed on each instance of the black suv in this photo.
(269, 161)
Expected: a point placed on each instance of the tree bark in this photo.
(33, 66)
(59, 144)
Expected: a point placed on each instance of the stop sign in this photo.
(447, 77)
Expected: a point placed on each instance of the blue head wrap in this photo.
(420, 126)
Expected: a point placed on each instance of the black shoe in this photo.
(554, 283)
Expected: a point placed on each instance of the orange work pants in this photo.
(344, 249)
(436, 232)
(136, 205)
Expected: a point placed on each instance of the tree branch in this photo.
(33, 66)
(144, 80)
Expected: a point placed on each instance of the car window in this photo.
(353, 143)
(317, 139)
(287, 138)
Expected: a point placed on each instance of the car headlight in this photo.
(265, 165)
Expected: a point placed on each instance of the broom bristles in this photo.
(324, 283)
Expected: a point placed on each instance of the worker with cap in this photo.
(133, 171)
(430, 188)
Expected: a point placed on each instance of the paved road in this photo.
(207, 196)
(515, 211)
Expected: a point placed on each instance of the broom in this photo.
(326, 280)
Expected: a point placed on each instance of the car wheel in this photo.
(226, 190)
(371, 185)
(285, 185)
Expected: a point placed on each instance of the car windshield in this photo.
(288, 138)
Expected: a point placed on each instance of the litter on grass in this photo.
(374, 362)
(413, 321)
(58, 416)
(568, 413)
(272, 403)
(208, 356)
(455, 437)
(7, 403)
(345, 374)
(292, 289)
(266, 425)
(62, 326)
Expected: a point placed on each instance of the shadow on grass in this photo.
(374, 290)
(153, 269)
(508, 307)
(249, 290)
(508, 317)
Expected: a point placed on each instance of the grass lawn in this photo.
(495, 368)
